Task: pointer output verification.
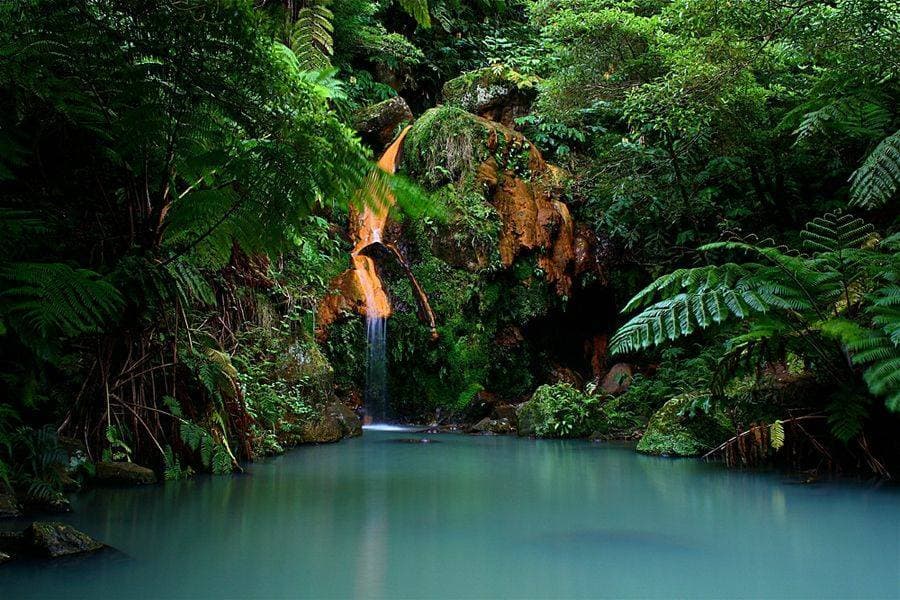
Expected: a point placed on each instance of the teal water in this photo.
(479, 517)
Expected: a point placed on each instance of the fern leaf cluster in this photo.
(845, 291)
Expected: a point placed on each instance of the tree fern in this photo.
(875, 183)
(796, 301)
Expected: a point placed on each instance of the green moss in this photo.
(444, 145)
(469, 237)
(674, 432)
(473, 90)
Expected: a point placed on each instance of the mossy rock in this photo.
(123, 473)
(52, 540)
(559, 411)
(446, 144)
(497, 93)
(307, 366)
(379, 123)
(671, 432)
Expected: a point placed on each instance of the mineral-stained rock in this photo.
(123, 473)
(379, 123)
(617, 379)
(346, 297)
(52, 540)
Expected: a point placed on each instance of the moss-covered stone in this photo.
(445, 144)
(124, 473)
(674, 432)
(379, 124)
(498, 93)
(52, 540)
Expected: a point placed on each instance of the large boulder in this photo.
(123, 473)
(496, 93)
(673, 431)
(495, 165)
(379, 124)
(336, 422)
(52, 540)
(350, 423)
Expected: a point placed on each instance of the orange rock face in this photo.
(533, 217)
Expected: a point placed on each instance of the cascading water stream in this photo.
(370, 223)
(376, 369)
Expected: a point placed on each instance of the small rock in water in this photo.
(8, 506)
(414, 441)
(52, 540)
(123, 473)
(4, 557)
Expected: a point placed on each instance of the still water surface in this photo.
(479, 517)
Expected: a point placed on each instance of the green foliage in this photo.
(214, 455)
(444, 144)
(875, 182)
(311, 37)
(702, 119)
(843, 290)
(560, 411)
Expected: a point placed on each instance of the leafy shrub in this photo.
(559, 411)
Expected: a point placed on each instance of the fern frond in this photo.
(311, 37)
(875, 183)
(776, 435)
(53, 299)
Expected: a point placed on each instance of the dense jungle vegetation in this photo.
(175, 180)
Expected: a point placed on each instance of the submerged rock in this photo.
(52, 540)
(4, 557)
(123, 473)
(673, 432)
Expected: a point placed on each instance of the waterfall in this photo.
(369, 224)
(376, 369)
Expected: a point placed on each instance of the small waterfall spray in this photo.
(376, 369)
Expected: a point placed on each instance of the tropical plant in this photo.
(835, 306)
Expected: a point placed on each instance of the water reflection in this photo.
(485, 517)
